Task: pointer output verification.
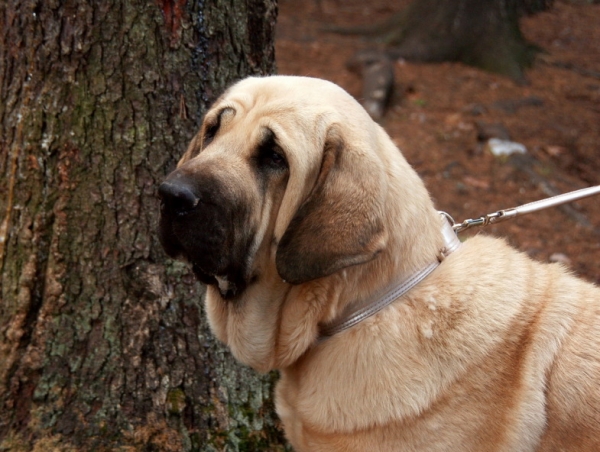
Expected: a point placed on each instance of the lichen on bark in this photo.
(103, 345)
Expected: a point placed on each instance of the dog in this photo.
(298, 212)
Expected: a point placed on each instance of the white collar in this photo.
(363, 309)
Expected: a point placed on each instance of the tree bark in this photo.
(103, 345)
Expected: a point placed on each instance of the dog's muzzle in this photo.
(198, 223)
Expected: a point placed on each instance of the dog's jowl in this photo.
(326, 259)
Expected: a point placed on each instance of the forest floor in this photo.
(438, 110)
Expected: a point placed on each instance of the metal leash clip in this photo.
(507, 214)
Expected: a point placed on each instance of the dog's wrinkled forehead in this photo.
(297, 111)
(307, 98)
(295, 108)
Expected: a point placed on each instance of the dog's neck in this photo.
(362, 309)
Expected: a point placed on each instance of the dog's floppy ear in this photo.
(341, 222)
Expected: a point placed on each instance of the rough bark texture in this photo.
(102, 341)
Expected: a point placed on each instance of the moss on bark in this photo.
(103, 345)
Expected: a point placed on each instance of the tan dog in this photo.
(292, 205)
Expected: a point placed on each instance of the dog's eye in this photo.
(210, 132)
(274, 158)
(270, 155)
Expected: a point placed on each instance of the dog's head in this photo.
(269, 168)
(281, 187)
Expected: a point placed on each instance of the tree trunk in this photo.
(484, 34)
(481, 33)
(103, 345)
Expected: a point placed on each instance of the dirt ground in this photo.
(437, 110)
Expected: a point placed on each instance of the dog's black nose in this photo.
(177, 197)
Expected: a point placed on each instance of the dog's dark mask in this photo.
(202, 224)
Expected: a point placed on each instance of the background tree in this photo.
(102, 342)
(481, 33)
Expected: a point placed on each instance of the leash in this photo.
(360, 310)
(513, 212)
